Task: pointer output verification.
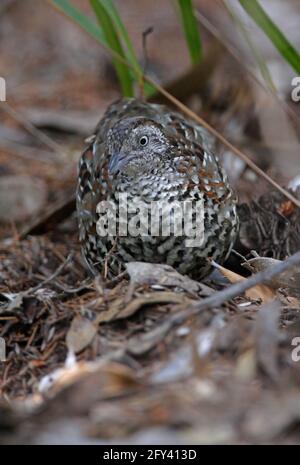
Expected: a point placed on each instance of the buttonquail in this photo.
(151, 153)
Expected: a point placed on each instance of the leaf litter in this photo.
(102, 354)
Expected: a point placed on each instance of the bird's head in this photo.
(137, 147)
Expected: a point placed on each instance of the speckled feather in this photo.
(178, 164)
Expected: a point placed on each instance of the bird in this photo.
(153, 155)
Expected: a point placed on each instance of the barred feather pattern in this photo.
(178, 164)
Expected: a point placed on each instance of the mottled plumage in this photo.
(152, 153)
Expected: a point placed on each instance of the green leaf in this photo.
(94, 30)
(64, 6)
(114, 43)
(128, 47)
(284, 47)
(264, 70)
(122, 34)
(101, 36)
(190, 27)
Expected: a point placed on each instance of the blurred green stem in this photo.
(190, 27)
(284, 47)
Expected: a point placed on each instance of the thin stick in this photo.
(54, 275)
(224, 141)
(146, 33)
(229, 293)
(29, 153)
(16, 301)
(215, 33)
(33, 130)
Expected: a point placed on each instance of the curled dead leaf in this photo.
(117, 311)
(289, 279)
(258, 292)
(166, 276)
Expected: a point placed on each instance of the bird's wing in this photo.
(90, 191)
(187, 130)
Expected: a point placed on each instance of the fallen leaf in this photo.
(258, 292)
(289, 279)
(166, 276)
(81, 333)
(83, 383)
(117, 311)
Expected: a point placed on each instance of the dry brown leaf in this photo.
(117, 311)
(260, 291)
(81, 333)
(87, 379)
(289, 279)
(141, 344)
(166, 276)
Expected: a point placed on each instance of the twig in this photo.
(224, 141)
(215, 33)
(146, 33)
(18, 298)
(117, 279)
(52, 216)
(86, 285)
(41, 136)
(195, 78)
(51, 277)
(81, 123)
(218, 298)
(29, 153)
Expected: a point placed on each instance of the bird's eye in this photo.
(144, 141)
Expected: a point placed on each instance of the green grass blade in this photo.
(264, 70)
(284, 47)
(64, 6)
(122, 34)
(93, 29)
(97, 33)
(127, 44)
(114, 43)
(190, 27)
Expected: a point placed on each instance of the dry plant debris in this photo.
(98, 352)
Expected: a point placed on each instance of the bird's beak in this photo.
(116, 162)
